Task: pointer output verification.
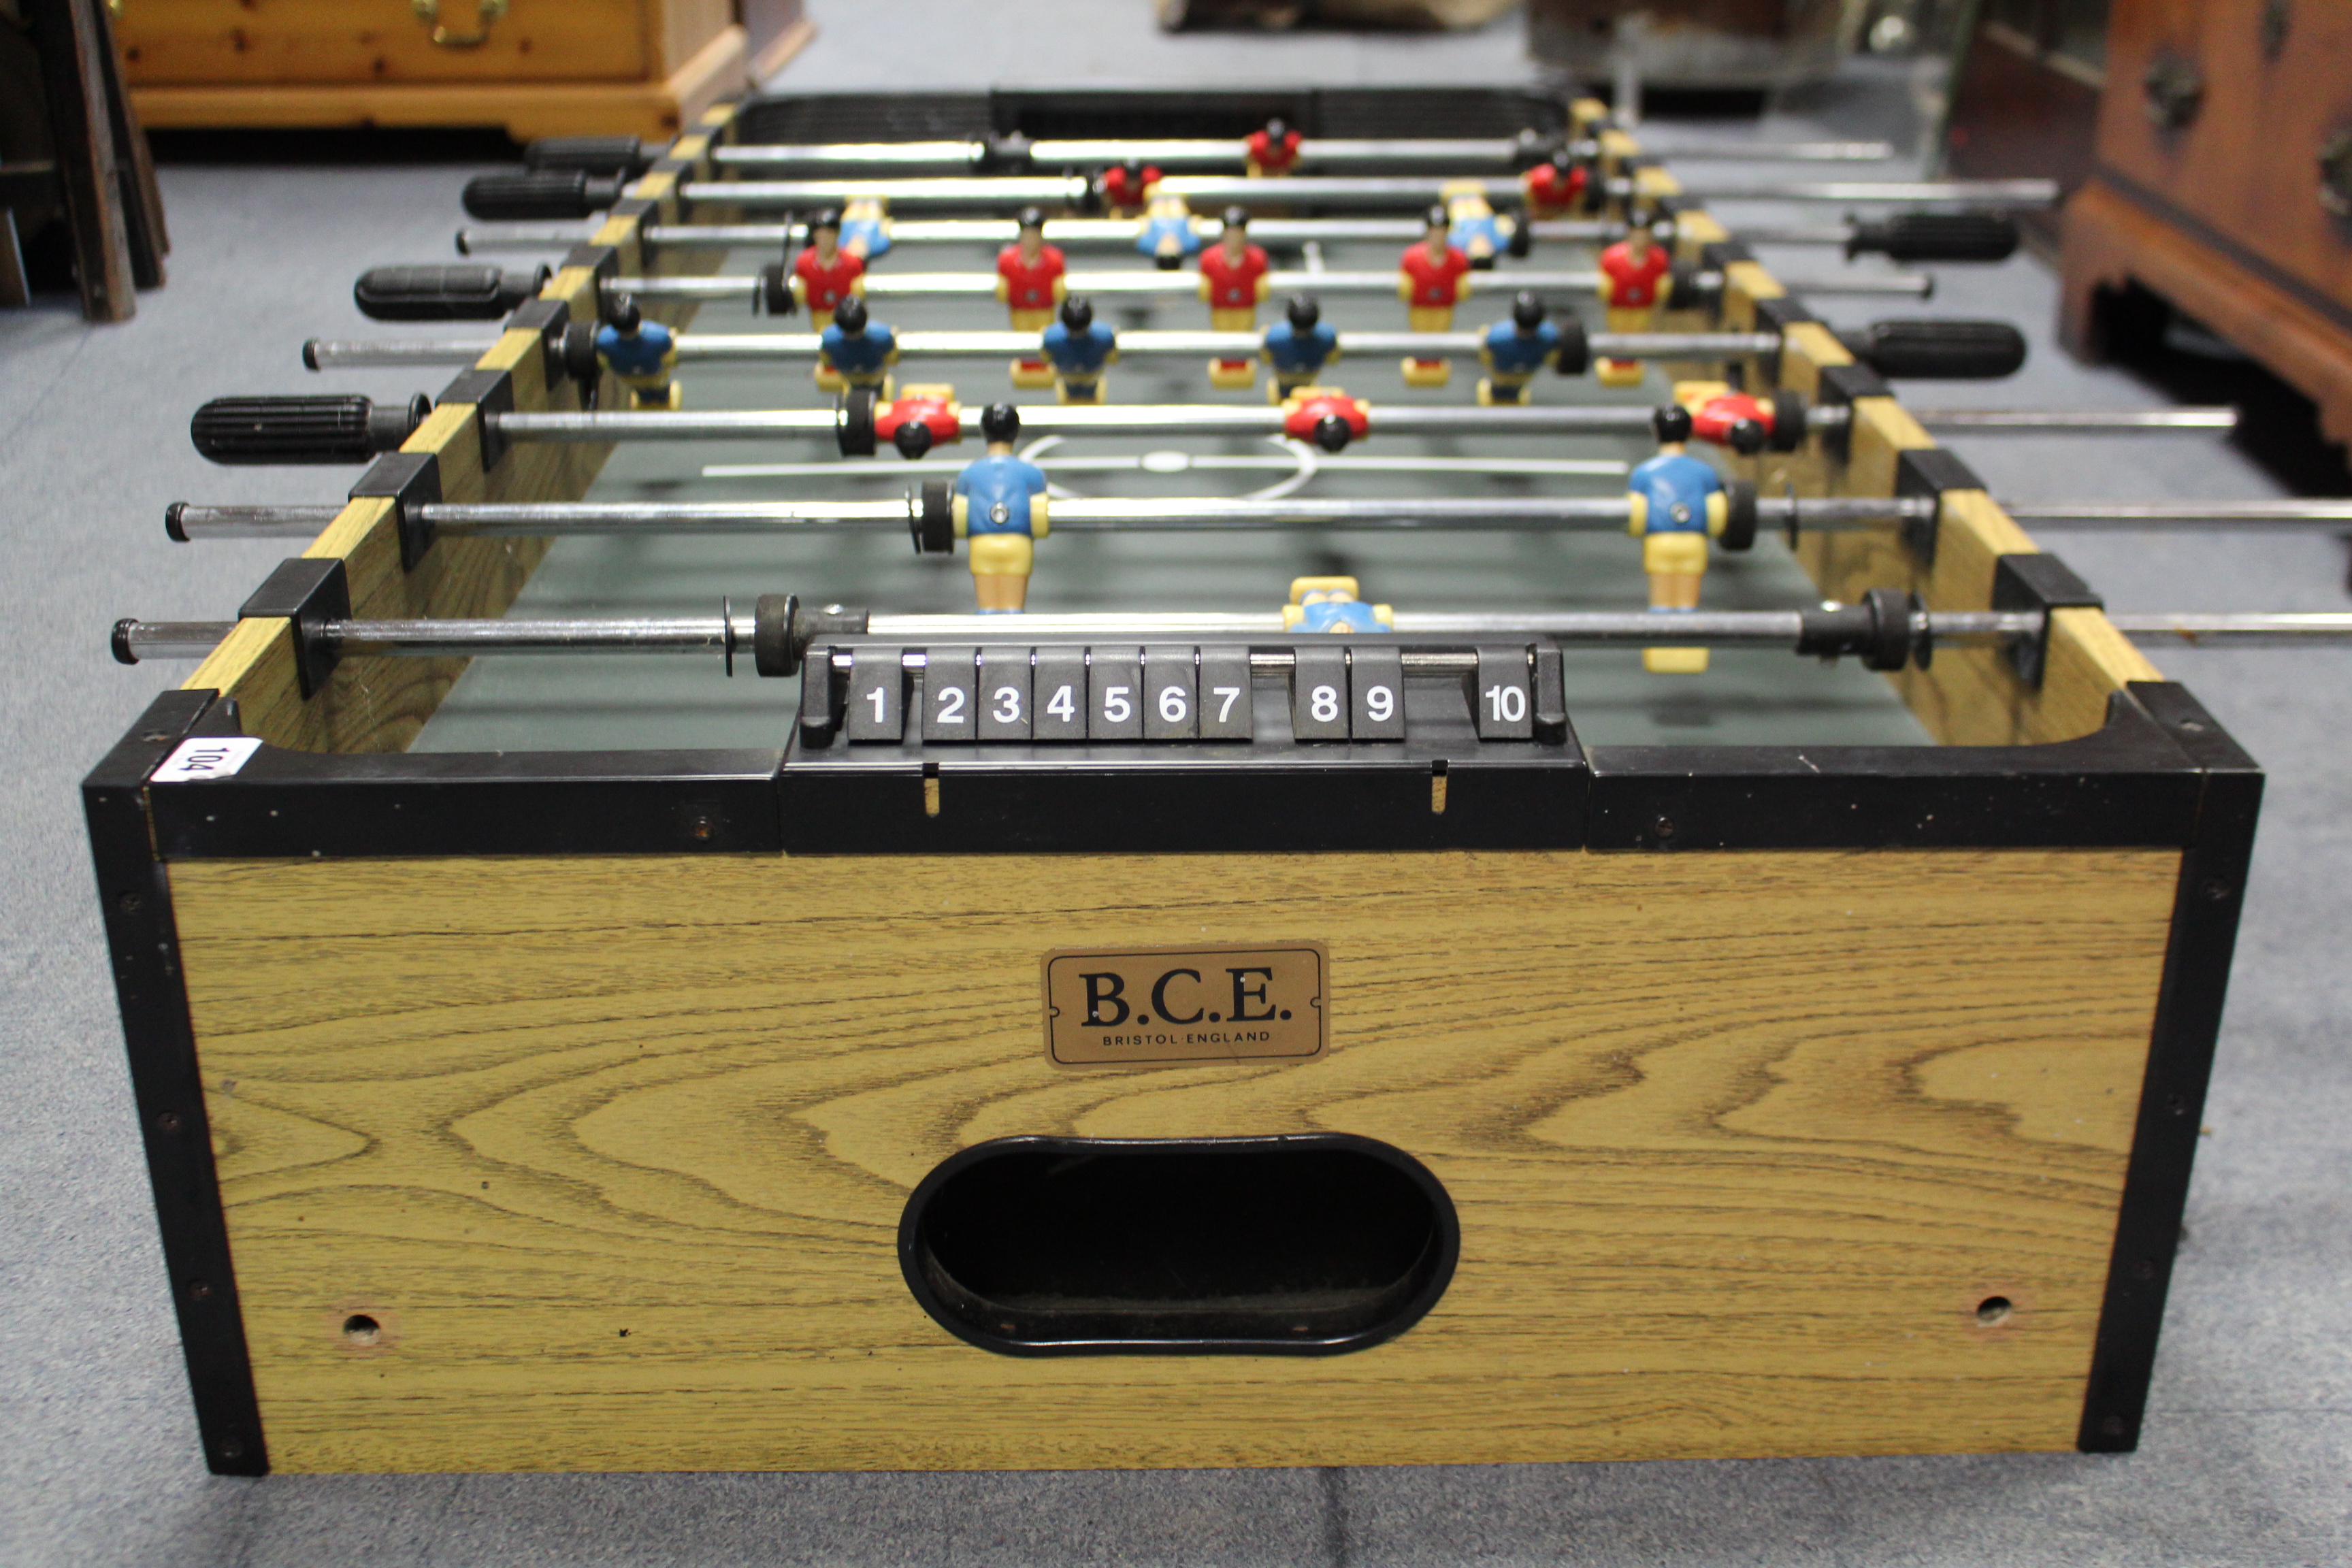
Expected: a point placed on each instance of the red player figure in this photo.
(1273, 151)
(1127, 187)
(1555, 187)
(1434, 277)
(823, 274)
(1234, 281)
(1029, 280)
(1634, 282)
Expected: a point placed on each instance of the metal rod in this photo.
(2316, 516)
(1187, 284)
(1072, 514)
(1015, 191)
(693, 348)
(2240, 630)
(1092, 233)
(1317, 151)
(137, 640)
(2063, 421)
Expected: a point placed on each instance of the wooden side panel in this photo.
(614, 1151)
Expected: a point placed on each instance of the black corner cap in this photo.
(1844, 382)
(933, 518)
(550, 319)
(1686, 291)
(1781, 312)
(604, 260)
(1717, 255)
(2039, 583)
(410, 480)
(307, 591)
(492, 393)
(1929, 471)
(852, 423)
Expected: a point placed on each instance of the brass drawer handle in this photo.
(488, 11)
(2336, 174)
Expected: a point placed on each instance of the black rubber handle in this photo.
(1939, 350)
(1937, 237)
(457, 292)
(552, 193)
(253, 431)
(607, 155)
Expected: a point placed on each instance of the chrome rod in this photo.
(1090, 233)
(1315, 151)
(1074, 514)
(1012, 190)
(2081, 421)
(326, 353)
(2240, 630)
(2319, 516)
(1187, 284)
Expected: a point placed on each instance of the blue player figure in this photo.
(866, 227)
(1298, 347)
(1514, 350)
(1677, 503)
(1000, 506)
(1168, 237)
(1078, 347)
(1330, 604)
(854, 352)
(1475, 231)
(641, 353)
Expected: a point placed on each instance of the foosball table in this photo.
(1227, 914)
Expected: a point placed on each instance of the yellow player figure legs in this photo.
(1234, 372)
(1001, 564)
(1676, 565)
(1428, 372)
(1623, 371)
(1032, 372)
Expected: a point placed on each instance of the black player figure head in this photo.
(1527, 311)
(1303, 312)
(1078, 313)
(1001, 421)
(828, 219)
(1133, 170)
(850, 317)
(1276, 132)
(1436, 222)
(1236, 220)
(1672, 424)
(1562, 164)
(626, 317)
(1030, 219)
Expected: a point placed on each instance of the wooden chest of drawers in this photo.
(2223, 183)
(537, 67)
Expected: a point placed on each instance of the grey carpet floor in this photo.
(2248, 1456)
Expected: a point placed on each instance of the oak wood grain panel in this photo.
(614, 1150)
